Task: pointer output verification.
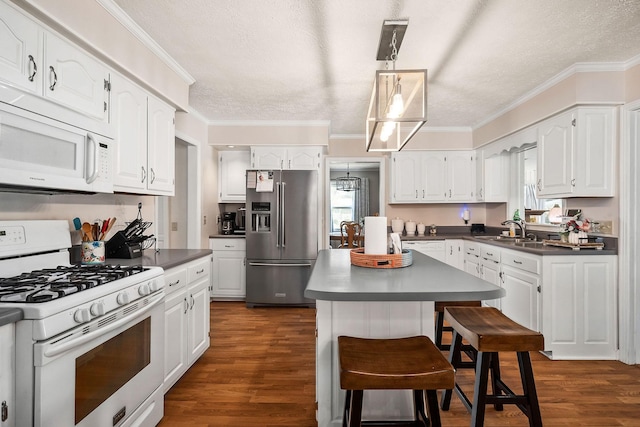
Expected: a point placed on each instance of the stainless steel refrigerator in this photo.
(282, 235)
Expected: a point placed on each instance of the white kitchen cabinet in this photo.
(232, 170)
(472, 258)
(521, 281)
(479, 167)
(434, 249)
(228, 268)
(454, 253)
(576, 153)
(496, 178)
(490, 270)
(580, 306)
(7, 374)
(74, 79)
(286, 157)
(35, 59)
(20, 54)
(186, 317)
(145, 140)
(432, 177)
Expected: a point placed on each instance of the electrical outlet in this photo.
(205, 220)
(174, 226)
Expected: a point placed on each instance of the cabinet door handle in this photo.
(449, 193)
(517, 262)
(540, 184)
(153, 175)
(174, 283)
(423, 193)
(186, 305)
(573, 182)
(144, 174)
(55, 77)
(193, 302)
(32, 64)
(416, 194)
(200, 271)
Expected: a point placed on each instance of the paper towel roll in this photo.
(375, 235)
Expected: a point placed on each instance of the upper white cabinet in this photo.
(496, 178)
(145, 140)
(74, 79)
(232, 170)
(286, 157)
(20, 54)
(34, 59)
(576, 153)
(433, 176)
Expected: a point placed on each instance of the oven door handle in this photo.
(57, 349)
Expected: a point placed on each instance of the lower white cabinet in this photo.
(490, 270)
(228, 268)
(186, 317)
(521, 280)
(7, 374)
(580, 306)
(434, 249)
(454, 253)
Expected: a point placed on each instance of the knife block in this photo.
(119, 247)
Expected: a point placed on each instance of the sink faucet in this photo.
(520, 224)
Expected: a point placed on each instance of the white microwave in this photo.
(45, 155)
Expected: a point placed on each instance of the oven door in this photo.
(101, 372)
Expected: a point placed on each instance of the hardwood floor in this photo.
(260, 371)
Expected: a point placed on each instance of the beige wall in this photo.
(88, 24)
(86, 207)
(269, 134)
(632, 84)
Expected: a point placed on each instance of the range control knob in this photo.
(144, 290)
(123, 298)
(97, 309)
(82, 315)
(153, 285)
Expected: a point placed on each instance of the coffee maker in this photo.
(228, 222)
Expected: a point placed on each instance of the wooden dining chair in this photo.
(350, 234)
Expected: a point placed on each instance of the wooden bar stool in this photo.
(489, 332)
(440, 306)
(412, 363)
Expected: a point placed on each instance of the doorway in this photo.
(178, 217)
(340, 205)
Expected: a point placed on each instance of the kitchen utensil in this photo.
(111, 222)
(77, 223)
(86, 232)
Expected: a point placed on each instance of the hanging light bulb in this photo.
(397, 104)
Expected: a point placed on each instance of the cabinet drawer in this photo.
(228, 244)
(199, 270)
(175, 279)
(490, 253)
(471, 248)
(523, 262)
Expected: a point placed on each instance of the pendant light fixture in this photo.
(398, 105)
(348, 183)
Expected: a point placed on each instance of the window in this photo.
(342, 206)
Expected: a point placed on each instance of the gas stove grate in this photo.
(48, 284)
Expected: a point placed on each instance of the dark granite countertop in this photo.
(165, 258)
(227, 236)
(10, 315)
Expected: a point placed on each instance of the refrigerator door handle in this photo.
(282, 229)
(277, 215)
(267, 264)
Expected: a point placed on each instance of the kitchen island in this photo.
(378, 303)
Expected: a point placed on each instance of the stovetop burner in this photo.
(53, 283)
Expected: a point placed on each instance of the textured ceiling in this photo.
(304, 60)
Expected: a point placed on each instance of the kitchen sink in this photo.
(505, 239)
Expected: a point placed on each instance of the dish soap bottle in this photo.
(512, 230)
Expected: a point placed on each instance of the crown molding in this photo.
(579, 67)
(130, 25)
(270, 123)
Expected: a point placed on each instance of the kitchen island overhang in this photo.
(378, 303)
(334, 279)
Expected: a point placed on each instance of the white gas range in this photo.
(90, 350)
